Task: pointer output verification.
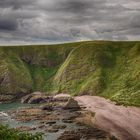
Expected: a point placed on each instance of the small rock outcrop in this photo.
(62, 97)
(26, 98)
(71, 105)
(35, 98)
(48, 107)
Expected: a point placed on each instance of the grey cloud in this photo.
(135, 21)
(73, 6)
(15, 3)
(30, 21)
(8, 24)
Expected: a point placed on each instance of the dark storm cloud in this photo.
(35, 21)
(15, 3)
(8, 24)
(72, 6)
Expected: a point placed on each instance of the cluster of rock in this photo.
(39, 98)
(56, 114)
(48, 121)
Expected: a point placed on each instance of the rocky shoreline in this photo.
(60, 108)
(55, 114)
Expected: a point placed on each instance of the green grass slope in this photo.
(109, 69)
(24, 69)
(103, 68)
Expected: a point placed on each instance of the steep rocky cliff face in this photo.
(24, 69)
(109, 69)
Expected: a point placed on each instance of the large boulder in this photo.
(71, 105)
(26, 98)
(35, 98)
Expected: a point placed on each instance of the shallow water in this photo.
(15, 105)
(6, 119)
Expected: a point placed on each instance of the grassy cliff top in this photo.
(103, 68)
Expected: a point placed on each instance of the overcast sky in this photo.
(56, 21)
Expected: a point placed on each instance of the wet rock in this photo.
(55, 128)
(41, 126)
(48, 107)
(26, 98)
(3, 114)
(6, 98)
(67, 118)
(59, 126)
(61, 97)
(52, 117)
(42, 122)
(35, 98)
(67, 121)
(73, 115)
(34, 128)
(28, 114)
(66, 136)
(71, 105)
(25, 128)
(79, 124)
(51, 130)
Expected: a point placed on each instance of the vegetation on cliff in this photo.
(103, 68)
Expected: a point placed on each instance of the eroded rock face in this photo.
(71, 105)
(15, 78)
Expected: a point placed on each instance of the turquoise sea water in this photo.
(10, 106)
